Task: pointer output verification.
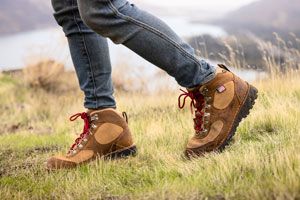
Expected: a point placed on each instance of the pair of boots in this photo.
(219, 107)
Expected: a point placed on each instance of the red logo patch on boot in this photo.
(221, 89)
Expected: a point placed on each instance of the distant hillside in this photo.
(24, 15)
(264, 17)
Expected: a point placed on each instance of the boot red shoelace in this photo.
(197, 104)
(85, 131)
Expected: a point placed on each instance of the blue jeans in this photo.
(87, 24)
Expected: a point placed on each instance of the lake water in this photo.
(18, 50)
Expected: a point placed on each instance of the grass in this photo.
(263, 161)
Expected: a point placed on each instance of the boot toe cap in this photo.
(59, 162)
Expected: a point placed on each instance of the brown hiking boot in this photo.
(105, 134)
(219, 106)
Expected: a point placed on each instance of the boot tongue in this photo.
(90, 112)
(219, 70)
(193, 89)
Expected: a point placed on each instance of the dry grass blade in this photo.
(44, 74)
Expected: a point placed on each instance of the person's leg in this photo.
(148, 36)
(220, 100)
(106, 132)
(90, 55)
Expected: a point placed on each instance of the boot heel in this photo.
(249, 102)
(244, 112)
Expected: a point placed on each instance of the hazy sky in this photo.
(212, 5)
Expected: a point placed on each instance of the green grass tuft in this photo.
(263, 162)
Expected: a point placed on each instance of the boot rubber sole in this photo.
(243, 113)
(123, 153)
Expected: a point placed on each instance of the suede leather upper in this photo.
(109, 133)
(226, 93)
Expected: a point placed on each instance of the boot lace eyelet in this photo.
(208, 99)
(84, 140)
(207, 115)
(205, 91)
(95, 117)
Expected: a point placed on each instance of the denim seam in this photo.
(87, 53)
(153, 30)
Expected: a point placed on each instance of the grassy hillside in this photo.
(249, 51)
(262, 163)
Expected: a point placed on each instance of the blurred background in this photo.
(258, 39)
(251, 35)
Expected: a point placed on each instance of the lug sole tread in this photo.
(124, 153)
